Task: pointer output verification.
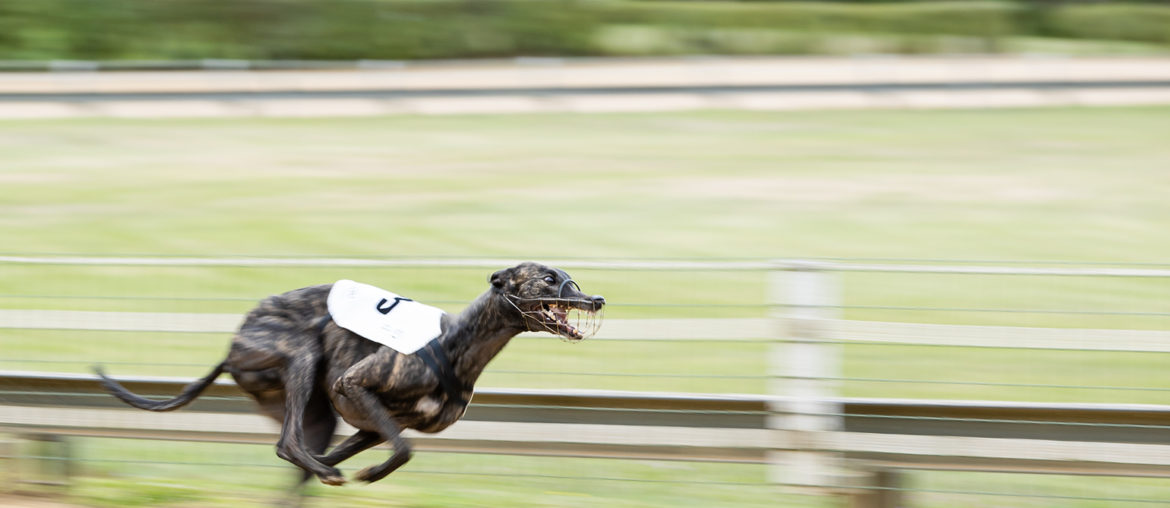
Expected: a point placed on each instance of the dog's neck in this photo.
(476, 335)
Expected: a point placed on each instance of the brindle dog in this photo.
(304, 370)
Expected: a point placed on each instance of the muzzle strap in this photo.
(561, 290)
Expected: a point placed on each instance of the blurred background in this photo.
(856, 253)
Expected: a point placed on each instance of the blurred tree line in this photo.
(434, 29)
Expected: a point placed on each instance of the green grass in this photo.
(648, 40)
(122, 472)
(147, 473)
(1068, 184)
(1046, 184)
(1075, 185)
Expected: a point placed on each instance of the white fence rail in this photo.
(804, 427)
(834, 330)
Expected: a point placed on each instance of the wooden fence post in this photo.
(804, 371)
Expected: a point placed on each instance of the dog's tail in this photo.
(189, 393)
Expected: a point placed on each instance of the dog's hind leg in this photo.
(299, 380)
(320, 423)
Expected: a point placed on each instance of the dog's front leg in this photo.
(355, 444)
(354, 387)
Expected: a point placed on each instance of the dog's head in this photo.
(549, 300)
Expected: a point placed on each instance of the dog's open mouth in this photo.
(572, 317)
(570, 320)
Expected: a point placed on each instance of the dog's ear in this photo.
(500, 278)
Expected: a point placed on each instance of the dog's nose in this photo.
(598, 301)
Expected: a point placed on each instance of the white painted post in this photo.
(804, 369)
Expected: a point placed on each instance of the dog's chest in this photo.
(428, 407)
(425, 414)
(433, 415)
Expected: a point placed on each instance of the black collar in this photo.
(433, 355)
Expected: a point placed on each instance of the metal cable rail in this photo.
(711, 259)
(1000, 494)
(752, 306)
(623, 424)
(753, 265)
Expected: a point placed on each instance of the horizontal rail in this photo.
(608, 72)
(847, 331)
(1081, 339)
(724, 428)
(471, 436)
(632, 264)
(998, 454)
(527, 405)
(641, 329)
(1117, 439)
(490, 263)
(570, 91)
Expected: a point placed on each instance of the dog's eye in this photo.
(549, 279)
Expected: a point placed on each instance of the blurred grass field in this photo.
(1051, 184)
(1073, 185)
(1070, 185)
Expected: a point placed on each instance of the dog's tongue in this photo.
(562, 316)
(571, 332)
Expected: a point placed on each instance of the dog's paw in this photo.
(373, 473)
(334, 480)
(369, 474)
(378, 471)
